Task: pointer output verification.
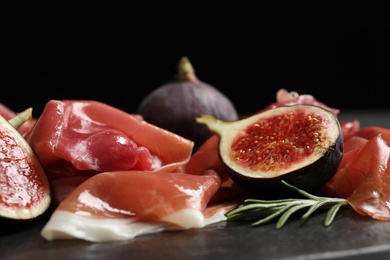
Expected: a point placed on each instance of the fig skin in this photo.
(175, 105)
(25, 188)
(311, 174)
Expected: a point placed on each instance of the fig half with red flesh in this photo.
(24, 188)
(300, 144)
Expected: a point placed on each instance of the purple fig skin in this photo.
(175, 105)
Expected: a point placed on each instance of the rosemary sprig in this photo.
(284, 208)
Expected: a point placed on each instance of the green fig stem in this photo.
(213, 123)
(284, 208)
(20, 118)
(185, 70)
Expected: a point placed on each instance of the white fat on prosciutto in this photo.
(66, 225)
(122, 205)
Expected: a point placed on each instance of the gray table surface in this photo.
(351, 236)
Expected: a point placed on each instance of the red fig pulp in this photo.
(24, 188)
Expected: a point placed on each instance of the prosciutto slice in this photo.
(124, 204)
(289, 98)
(364, 175)
(372, 195)
(76, 139)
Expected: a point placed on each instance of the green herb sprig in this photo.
(284, 208)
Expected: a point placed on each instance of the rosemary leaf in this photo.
(283, 219)
(313, 208)
(243, 213)
(279, 201)
(269, 217)
(332, 213)
(302, 192)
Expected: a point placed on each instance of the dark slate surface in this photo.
(351, 236)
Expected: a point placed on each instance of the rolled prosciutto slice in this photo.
(76, 139)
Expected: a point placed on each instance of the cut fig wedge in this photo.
(301, 144)
(24, 188)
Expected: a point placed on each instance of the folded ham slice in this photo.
(76, 139)
(121, 205)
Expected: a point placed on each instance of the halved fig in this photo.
(301, 144)
(24, 188)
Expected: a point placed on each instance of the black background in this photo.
(117, 54)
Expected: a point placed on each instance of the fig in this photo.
(175, 105)
(300, 144)
(24, 187)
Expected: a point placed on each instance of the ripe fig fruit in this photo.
(175, 105)
(24, 188)
(301, 144)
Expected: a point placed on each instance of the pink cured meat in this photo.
(146, 196)
(286, 98)
(139, 202)
(83, 118)
(364, 177)
(347, 178)
(99, 208)
(75, 139)
(365, 152)
(206, 157)
(349, 128)
(372, 194)
(372, 131)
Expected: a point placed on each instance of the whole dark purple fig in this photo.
(300, 144)
(175, 105)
